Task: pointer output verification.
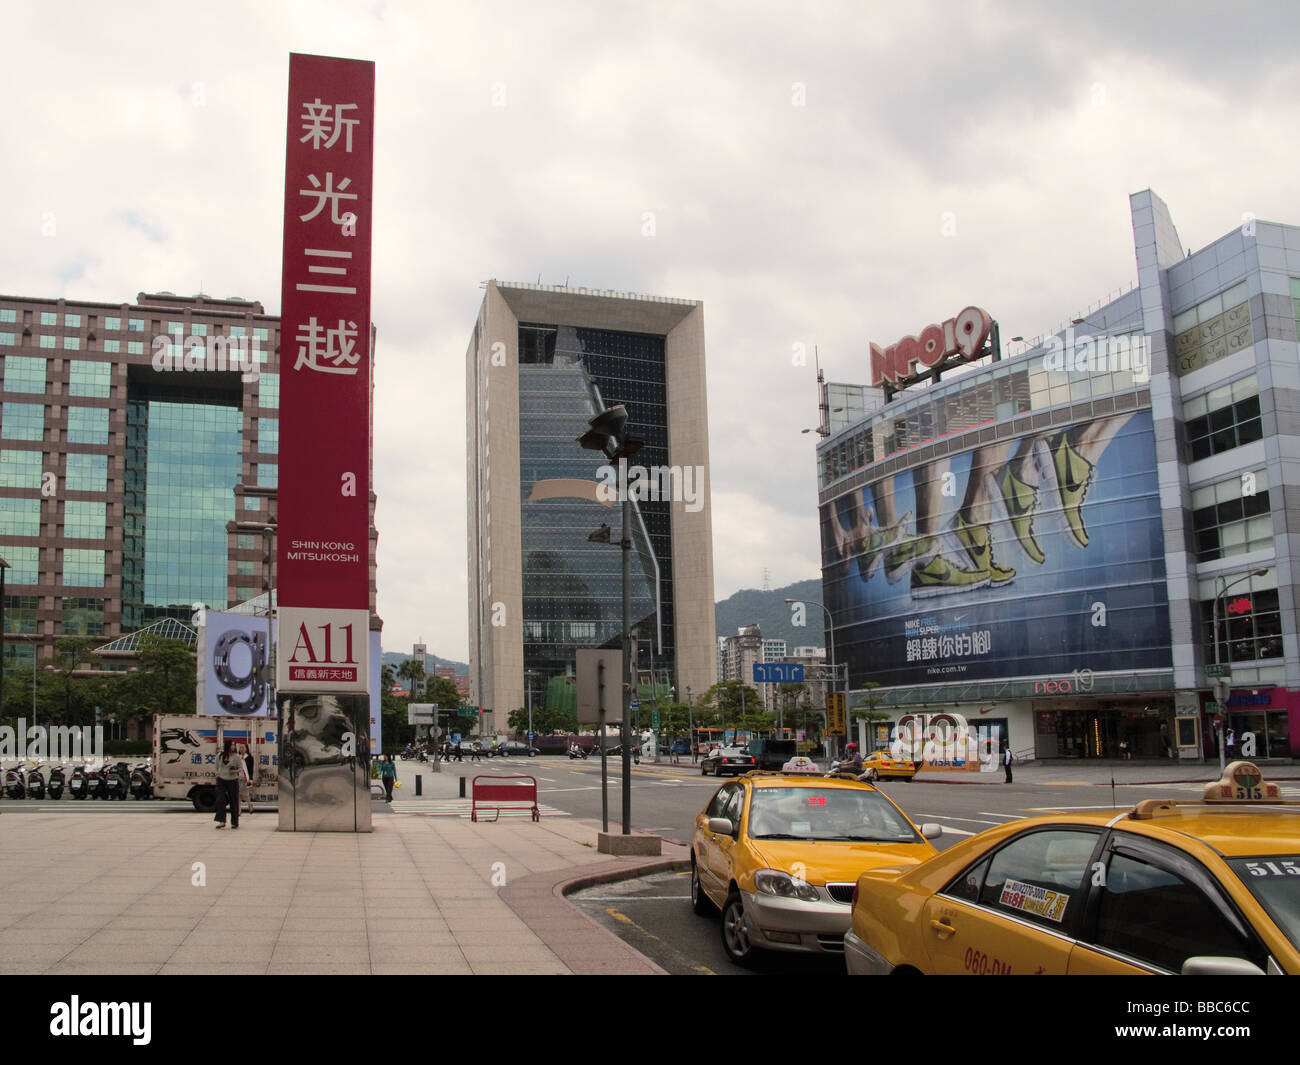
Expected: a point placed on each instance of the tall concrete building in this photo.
(139, 462)
(542, 361)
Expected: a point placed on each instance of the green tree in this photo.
(412, 670)
(166, 680)
(546, 720)
(737, 705)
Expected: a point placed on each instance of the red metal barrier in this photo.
(499, 796)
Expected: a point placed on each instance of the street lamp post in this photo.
(830, 633)
(608, 435)
(1221, 686)
(3, 566)
(690, 724)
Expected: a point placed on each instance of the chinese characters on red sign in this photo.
(323, 530)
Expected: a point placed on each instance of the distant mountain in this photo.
(771, 613)
(396, 658)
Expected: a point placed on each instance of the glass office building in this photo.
(138, 462)
(542, 362)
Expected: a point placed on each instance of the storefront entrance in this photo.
(1126, 731)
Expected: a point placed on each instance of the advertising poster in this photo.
(234, 650)
(1032, 556)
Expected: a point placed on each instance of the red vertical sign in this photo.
(324, 486)
(323, 535)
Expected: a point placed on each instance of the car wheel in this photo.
(873, 776)
(704, 769)
(700, 902)
(735, 936)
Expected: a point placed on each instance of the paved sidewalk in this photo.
(165, 893)
(1134, 772)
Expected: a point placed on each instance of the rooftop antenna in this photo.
(823, 407)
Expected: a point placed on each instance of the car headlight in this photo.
(783, 885)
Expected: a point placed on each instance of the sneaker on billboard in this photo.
(940, 576)
(1018, 500)
(881, 538)
(1070, 475)
(903, 556)
(974, 540)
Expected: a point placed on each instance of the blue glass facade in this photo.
(572, 588)
(183, 459)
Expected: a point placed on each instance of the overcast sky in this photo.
(800, 162)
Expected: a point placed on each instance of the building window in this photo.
(1223, 418)
(176, 328)
(135, 325)
(244, 542)
(1212, 330)
(48, 341)
(72, 343)
(268, 475)
(87, 473)
(49, 318)
(90, 378)
(20, 469)
(20, 613)
(83, 569)
(72, 321)
(20, 517)
(1232, 517)
(261, 334)
(7, 340)
(22, 421)
(268, 435)
(8, 314)
(114, 346)
(24, 563)
(252, 502)
(244, 568)
(135, 347)
(1250, 624)
(82, 617)
(113, 325)
(198, 329)
(268, 390)
(88, 425)
(83, 520)
(237, 331)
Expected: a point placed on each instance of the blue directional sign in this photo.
(778, 673)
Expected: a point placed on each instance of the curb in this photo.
(585, 946)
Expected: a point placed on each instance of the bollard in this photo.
(462, 787)
(419, 784)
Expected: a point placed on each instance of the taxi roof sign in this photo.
(1242, 784)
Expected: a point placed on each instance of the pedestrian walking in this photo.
(230, 771)
(1232, 742)
(246, 785)
(460, 757)
(1007, 759)
(388, 774)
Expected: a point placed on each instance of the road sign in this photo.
(467, 711)
(1221, 669)
(634, 705)
(835, 724)
(419, 714)
(1218, 722)
(654, 720)
(778, 673)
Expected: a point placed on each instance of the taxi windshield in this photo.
(1275, 882)
(840, 814)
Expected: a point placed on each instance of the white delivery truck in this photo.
(185, 749)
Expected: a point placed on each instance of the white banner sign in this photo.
(323, 650)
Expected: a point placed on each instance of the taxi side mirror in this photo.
(721, 826)
(931, 830)
(1204, 965)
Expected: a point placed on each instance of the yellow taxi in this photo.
(778, 854)
(881, 765)
(1209, 886)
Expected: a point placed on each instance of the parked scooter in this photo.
(16, 782)
(117, 781)
(57, 781)
(142, 781)
(77, 782)
(95, 782)
(35, 782)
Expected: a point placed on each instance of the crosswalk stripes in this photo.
(461, 808)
